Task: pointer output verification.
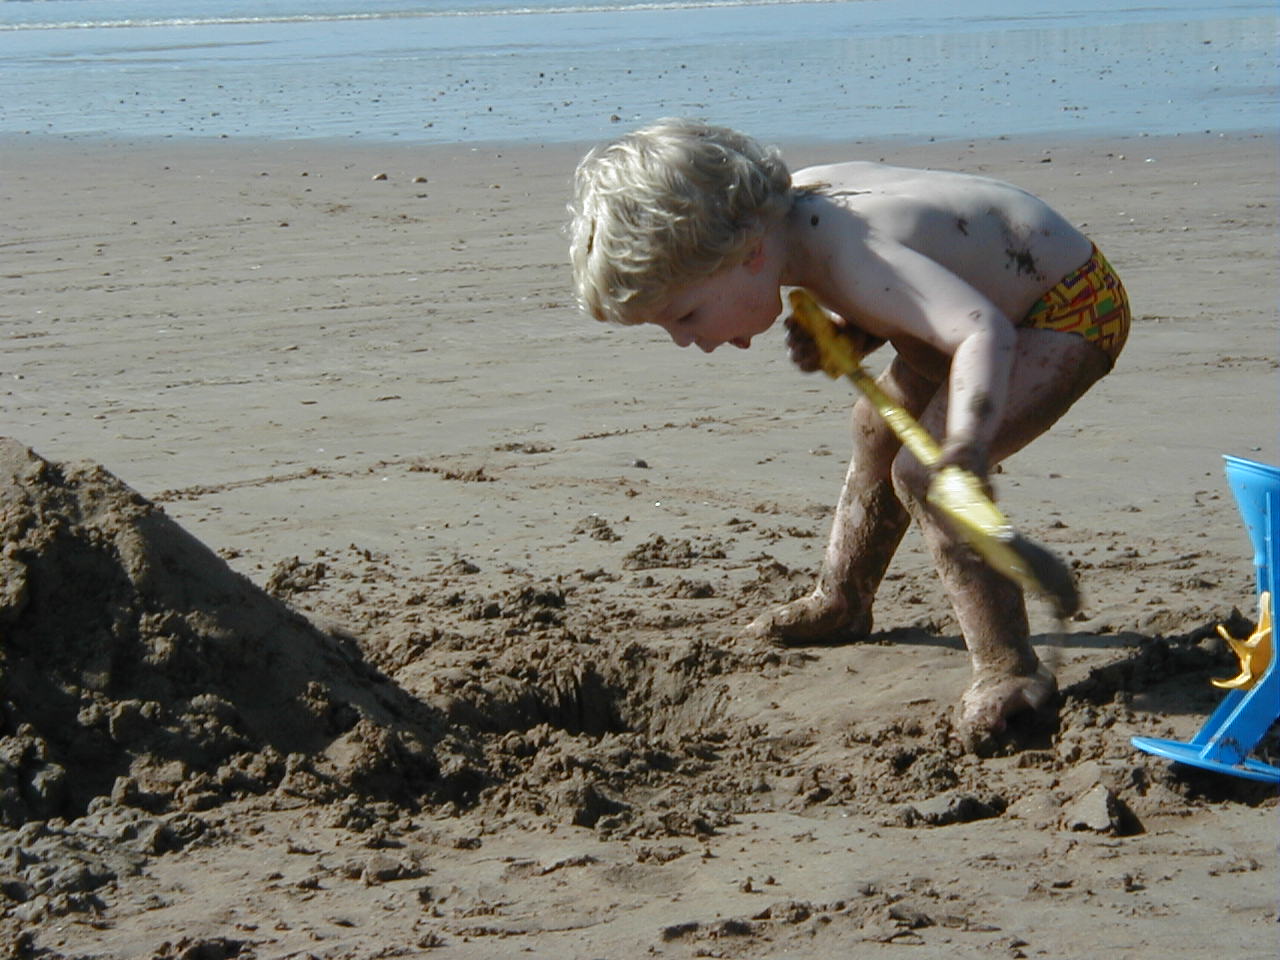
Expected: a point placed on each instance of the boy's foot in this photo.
(987, 708)
(813, 620)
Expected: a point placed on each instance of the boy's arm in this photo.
(898, 293)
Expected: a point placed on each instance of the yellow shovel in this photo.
(956, 492)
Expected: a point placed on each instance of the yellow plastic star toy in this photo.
(1255, 652)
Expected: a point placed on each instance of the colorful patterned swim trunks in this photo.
(1090, 302)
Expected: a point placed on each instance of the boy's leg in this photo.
(1051, 371)
(868, 525)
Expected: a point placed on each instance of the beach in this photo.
(489, 695)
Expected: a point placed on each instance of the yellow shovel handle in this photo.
(837, 358)
(954, 491)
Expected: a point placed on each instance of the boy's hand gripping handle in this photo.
(954, 491)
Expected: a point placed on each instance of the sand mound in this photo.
(137, 665)
(138, 669)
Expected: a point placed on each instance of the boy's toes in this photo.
(810, 621)
(1000, 714)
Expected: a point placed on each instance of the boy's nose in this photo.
(679, 338)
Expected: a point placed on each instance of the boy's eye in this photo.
(686, 319)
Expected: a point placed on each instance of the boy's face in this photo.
(731, 306)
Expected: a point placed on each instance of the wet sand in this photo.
(528, 544)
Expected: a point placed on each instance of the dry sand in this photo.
(416, 633)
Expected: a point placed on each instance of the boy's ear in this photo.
(755, 257)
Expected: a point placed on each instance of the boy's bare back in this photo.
(1008, 245)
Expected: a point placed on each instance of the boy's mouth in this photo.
(742, 343)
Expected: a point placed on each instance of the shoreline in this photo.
(40, 139)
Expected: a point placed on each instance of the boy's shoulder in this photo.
(859, 176)
(849, 174)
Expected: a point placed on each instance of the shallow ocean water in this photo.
(555, 71)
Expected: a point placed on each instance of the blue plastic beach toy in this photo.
(1253, 703)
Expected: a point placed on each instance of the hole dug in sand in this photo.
(138, 669)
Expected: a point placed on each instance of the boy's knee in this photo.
(874, 441)
(910, 478)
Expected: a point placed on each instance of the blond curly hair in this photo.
(667, 205)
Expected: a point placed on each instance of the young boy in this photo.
(1001, 313)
